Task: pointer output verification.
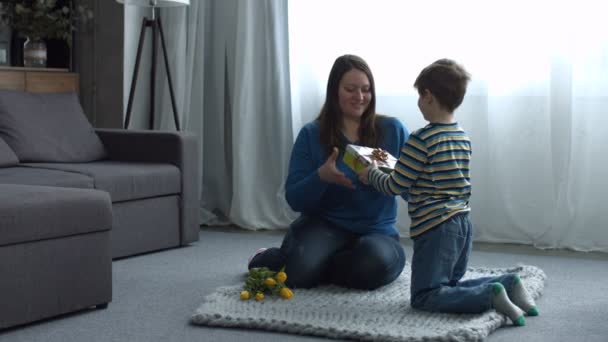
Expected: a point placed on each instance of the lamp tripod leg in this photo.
(152, 115)
(135, 72)
(164, 47)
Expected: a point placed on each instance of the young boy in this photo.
(433, 169)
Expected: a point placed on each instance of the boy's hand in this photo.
(364, 174)
(328, 172)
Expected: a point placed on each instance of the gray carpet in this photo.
(155, 295)
(380, 315)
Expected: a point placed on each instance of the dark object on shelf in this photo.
(58, 54)
(17, 49)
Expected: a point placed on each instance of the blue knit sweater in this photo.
(362, 210)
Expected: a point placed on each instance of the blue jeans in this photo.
(440, 261)
(315, 252)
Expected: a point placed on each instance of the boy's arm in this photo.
(412, 157)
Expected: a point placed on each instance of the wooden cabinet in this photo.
(38, 80)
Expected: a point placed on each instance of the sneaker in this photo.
(261, 250)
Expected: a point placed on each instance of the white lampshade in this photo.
(155, 3)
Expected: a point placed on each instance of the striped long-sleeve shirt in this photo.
(433, 168)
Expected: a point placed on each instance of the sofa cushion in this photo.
(7, 156)
(47, 127)
(32, 213)
(36, 176)
(123, 180)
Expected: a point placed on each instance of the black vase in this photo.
(58, 54)
(17, 49)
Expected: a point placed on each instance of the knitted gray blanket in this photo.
(380, 315)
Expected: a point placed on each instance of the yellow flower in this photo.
(270, 282)
(281, 277)
(286, 293)
(245, 295)
(259, 296)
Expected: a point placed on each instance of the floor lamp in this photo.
(157, 28)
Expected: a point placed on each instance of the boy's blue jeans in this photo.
(439, 262)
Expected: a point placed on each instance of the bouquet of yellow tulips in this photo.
(261, 281)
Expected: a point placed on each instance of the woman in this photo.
(345, 234)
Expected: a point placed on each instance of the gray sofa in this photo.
(72, 198)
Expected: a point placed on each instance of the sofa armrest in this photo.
(148, 146)
(178, 148)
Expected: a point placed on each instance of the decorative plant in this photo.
(262, 281)
(44, 19)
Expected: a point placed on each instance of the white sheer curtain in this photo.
(535, 110)
(233, 93)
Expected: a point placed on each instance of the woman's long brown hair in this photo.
(331, 115)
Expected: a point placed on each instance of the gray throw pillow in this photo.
(7, 156)
(48, 128)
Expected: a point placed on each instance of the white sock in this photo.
(522, 298)
(503, 304)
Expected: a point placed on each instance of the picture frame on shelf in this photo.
(5, 53)
(5, 45)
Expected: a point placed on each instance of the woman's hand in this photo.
(330, 174)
